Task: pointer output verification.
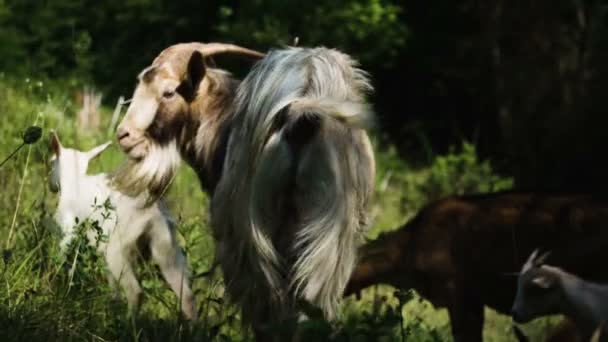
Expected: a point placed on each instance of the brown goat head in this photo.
(175, 96)
(167, 89)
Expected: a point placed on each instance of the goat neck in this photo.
(584, 302)
(204, 139)
(385, 260)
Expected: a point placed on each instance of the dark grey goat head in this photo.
(538, 289)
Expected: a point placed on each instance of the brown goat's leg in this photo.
(466, 315)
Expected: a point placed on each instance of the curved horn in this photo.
(530, 262)
(210, 49)
(533, 256)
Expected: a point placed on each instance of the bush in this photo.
(461, 172)
(402, 190)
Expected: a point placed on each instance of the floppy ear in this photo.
(543, 282)
(194, 76)
(95, 151)
(55, 143)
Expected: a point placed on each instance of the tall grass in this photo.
(47, 297)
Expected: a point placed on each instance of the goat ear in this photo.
(96, 151)
(541, 259)
(542, 281)
(148, 74)
(194, 76)
(55, 143)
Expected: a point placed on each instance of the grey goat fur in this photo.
(285, 156)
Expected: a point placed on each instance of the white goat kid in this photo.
(129, 225)
(547, 290)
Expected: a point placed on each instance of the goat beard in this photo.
(151, 176)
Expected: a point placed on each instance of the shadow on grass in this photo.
(47, 323)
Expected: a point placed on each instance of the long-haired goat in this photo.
(458, 252)
(547, 290)
(285, 156)
(129, 226)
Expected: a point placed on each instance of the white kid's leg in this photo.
(121, 269)
(172, 263)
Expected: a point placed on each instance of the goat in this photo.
(458, 252)
(285, 157)
(546, 290)
(129, 226)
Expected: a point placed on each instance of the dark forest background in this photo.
(524, 80)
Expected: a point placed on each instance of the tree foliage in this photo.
(108, 43)
(524, 80)
(368, 29)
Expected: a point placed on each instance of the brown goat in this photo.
(457, 252)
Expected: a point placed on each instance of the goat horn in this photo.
(210, 49)
(530, 262)
(533, 256)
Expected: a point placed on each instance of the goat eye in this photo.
(168, 94)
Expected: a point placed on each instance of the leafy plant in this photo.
(30, 136)
(461, 172)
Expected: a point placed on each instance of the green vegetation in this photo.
(524, 81)
(46, 297)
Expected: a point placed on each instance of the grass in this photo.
(40, 301)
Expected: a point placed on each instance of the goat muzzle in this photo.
(131, 144)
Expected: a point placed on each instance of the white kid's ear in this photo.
(55, 143)
(96, 151)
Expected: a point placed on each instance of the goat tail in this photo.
(327, 180)
(326, 254)
(334, 182)
(352, 114)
